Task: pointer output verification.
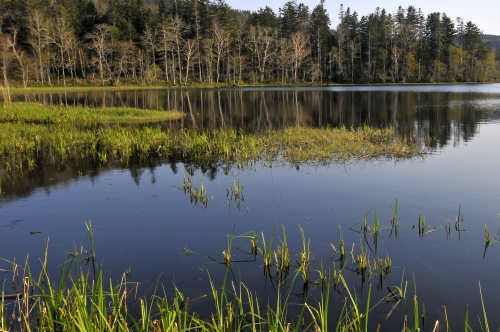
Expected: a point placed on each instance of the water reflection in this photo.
(448, 115)
(153, 228)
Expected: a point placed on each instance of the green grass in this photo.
(97, 85)
(86, 117)
(83, 299)
(31, 133)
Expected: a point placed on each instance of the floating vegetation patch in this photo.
(30, 133)
(83, 117)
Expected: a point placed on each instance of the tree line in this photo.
(180, 42)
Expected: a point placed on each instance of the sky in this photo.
(484, 13)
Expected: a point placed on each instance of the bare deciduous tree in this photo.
(38, 38)
(150, 41)
(6, 54)
(221, 41)
(179, 29)
(19, 54)
(263, 43)
(300, 51)
(166, 36)
(61, 35)
(190, 49)
(100, 43)
(124, 60)
(208, 56)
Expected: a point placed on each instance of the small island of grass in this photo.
(29, 132)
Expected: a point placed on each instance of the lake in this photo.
(144, 222)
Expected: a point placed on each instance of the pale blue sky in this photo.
(484, 13)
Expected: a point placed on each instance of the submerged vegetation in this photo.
(31, 134)
(306, 292)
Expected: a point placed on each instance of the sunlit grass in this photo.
(58, 134)
(88, 117)
(82, 298)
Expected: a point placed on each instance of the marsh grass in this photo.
(459, 220)
(234, 192)
(395, 218)
(487, 236)
(421, 225)
(305, 257)
(282, 256)
(58, 134)
(80, 298)
(82, 117)
(267, 249)
(376, 227)
(340, 251)
(196, 194)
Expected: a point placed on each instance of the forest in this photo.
(186, 42)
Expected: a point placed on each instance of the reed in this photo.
(351, 317)
(267, 248)
(484, 324)
(255, 244)
(363, 262)
(395, 217)
(486, 235)
(341, 250)
(376, 224)
(278, 318)
(235, 193)
(227, 253)
(416, 317)
(466, 325)
(459, 219)
(195, 194)
(366, 228)
(237, 189)
(305, 256)
(282, 254)
(421, 225)
(321, 313)
(86, 301)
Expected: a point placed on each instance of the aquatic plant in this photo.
(235, 193)
(58, 134)
(421, 225)
(282, 254)
(376, 226)
(459, 219)
(84, 300)
(486, 235)
(195, 194)
(394, 218)
(305, 257)
(266, 248)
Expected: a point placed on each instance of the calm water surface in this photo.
(143, 220)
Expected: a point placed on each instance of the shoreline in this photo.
(219, 86)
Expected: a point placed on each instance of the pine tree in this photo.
(320, 35)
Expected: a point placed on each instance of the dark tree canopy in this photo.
(206, 41)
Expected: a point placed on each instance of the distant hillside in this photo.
(494, 40)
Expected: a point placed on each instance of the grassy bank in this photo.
(30, 132)
(193, 85)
